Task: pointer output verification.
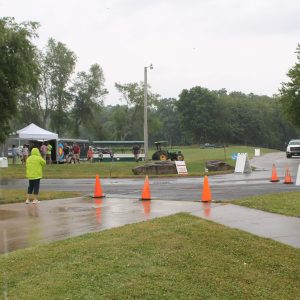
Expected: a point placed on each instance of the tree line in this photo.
(40, 86)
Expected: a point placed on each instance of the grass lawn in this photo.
(176, 257)
(195, 159)
(287, 203)
(14, 196)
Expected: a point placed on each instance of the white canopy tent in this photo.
(34, 132)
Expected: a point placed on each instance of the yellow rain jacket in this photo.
(34, 165)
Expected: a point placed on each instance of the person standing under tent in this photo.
(43, 150)
(14, 154)
(25, 153)
(34, 173)
(49, 152)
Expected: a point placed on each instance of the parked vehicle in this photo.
(162, 153)
(208, 145)
(102, 150)
(293, 148)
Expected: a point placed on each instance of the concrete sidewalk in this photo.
(269, 225)
(27, 225)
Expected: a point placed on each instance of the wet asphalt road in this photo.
(223, 187)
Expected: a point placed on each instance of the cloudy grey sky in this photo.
(240, 45)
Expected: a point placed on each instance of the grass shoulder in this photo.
(176, 257)
(286, 203)
(16, 196)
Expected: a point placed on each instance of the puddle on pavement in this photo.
(7, 214)
(48, 222)
(74, 209)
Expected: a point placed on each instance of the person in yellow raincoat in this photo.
(34, 172)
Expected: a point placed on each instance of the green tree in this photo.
(33, 104)
(167, 113)
(88, 92)
(290, 92)
(95, 129)
(197, 109)
(122, 127)
(253, 120)
(57, 63)
(133, 94)
(105, 118)
(29, 110)
(18, 67)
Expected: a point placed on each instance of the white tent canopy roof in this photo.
(34, 132)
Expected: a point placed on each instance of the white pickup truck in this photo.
(293, 148)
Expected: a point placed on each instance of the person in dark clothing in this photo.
(136, 152)
(66, 152)
(14, 154)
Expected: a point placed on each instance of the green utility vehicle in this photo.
(162, 153)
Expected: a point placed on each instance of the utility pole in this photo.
(146, 112)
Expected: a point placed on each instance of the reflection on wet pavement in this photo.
(147, 207)
(206, 209)
(98, 210)
(7, 214)
(29, 225)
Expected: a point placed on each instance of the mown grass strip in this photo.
(287, 203)
(177, 257)
(195, 159)
(15, 196)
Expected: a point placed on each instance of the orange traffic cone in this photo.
(206, 195)
(274, 177)
(288, 178)
(98, 189)
(146, 190)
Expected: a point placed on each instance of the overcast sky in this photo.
(240, 45)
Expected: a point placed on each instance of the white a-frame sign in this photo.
(242, 164)
(298, 177)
